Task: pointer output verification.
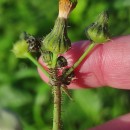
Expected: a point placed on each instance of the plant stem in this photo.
(29, 56)
(87, 51)
(57, 108)
(54, 60)
(57, 96)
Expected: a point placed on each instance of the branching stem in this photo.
(87, 51)
(29, 56)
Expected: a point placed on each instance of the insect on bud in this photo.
(69, 78)
(61, 62)
(57, 40)
(34, 44)
(98, 31)
(65, 7)
(20, 49)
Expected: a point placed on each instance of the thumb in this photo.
(107, 65)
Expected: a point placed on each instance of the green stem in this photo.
(87, 51)
(56, 92)
(29, 56)
(54, 60)
(57, 99)
(57, 108)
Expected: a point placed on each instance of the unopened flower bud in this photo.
(20, 49)
(57, 40)
(98, 31)
(65, 7)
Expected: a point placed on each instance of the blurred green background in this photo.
(21, 89)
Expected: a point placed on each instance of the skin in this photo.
(107, 65)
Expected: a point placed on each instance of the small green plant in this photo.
(56, 43)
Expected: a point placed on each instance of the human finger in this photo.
(107, 65)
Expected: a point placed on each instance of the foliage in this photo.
(21, 89)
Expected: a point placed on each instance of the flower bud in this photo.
(57, 40)
(65, 7)
(98, 31)
(20, 49)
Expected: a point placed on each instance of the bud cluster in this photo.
(57, 41)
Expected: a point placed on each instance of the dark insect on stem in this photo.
(61, 62)
(54, 78)
(69, 78)
(34, 44)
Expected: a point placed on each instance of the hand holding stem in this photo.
(57, 43)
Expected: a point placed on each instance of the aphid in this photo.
(54, 79)
(69, 78)
(34, 44)
(61, 62)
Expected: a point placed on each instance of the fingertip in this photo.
(42, 75)
(120, 123)
(106, 65)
